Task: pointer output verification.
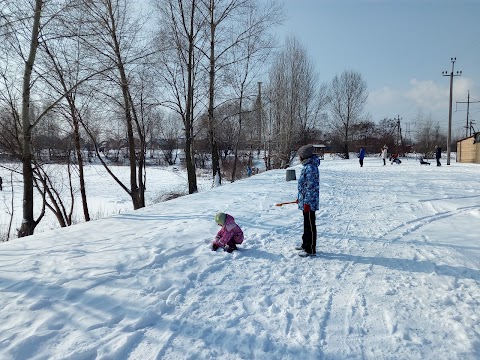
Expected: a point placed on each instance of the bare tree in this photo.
(51, 185)
(179, 58)
(27, 35)
(296, 100)
(9, 209)
(248, 57)
(9, 119)
(23, 30)
(348, 96)
(65, 58)
(28, 222)
(428, 135)
(226, 30)
(114, 37)
(216, 14)
(386, 133)
(170, 133)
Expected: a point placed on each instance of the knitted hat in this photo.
(220, 218)
(305, 152)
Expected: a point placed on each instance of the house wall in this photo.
(467, 151)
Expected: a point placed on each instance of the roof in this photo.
(469, 137)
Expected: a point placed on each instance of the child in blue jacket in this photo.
(308, 198)
(361, 156)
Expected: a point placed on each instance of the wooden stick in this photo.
(285, 203)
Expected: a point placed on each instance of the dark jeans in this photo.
(361, 162)
(309, 243)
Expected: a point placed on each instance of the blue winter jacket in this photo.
(308, 184)
(362, 153)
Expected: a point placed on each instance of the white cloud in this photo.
(428, 96)
(384, 97)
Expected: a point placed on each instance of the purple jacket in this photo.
(230, 230)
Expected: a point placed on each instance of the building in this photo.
(319, 150)
(468, 149)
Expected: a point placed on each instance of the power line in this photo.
(408, 131)
(399, 138)
(468, 102)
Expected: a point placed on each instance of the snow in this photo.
(398, 276)
(104, 195)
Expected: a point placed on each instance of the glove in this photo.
(306, 207)
(214, 247)
(296, 201)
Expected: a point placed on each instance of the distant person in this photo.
(361, 156)
(423, 162)
(384, 154)
(308, 199)
(395, 160)
(229, 236)
(249, 171)
(438, 154)
(1, 182)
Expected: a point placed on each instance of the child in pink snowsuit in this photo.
(229, 235)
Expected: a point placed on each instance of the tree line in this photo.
(80, 77)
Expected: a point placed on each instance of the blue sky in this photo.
(400, 47)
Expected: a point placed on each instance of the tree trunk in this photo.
(134, 190)
(345, 145)
(211, 103)
(76, 139)
(238, 135)
(143, 150)
(188, 121)
(28, 222)
(192, 176)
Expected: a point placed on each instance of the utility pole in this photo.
(449, 138)
(408, 132)
(468, 108)
(468, 102)
(399, 134)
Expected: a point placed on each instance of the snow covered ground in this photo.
(398, 276)
(105, 196)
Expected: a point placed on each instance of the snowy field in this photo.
(398, 276)
(105, 197)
